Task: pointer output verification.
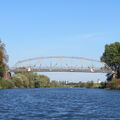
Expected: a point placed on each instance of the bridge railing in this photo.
(60, 64)
(96, 70)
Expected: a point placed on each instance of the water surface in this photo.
(59, 104)
(75, 76)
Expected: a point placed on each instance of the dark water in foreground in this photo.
(59, 104)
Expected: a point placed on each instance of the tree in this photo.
(3, 59)
(2, 71)
(42, 81)
(111, 57)
(20, 80)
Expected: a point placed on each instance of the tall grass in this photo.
(5, 84)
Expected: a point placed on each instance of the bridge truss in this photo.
(60, 64)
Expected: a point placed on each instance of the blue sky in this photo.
(34, 28)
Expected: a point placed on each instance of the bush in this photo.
(114, 84)
(30, 80)
(42, 81)
(4, 84)
(20, 81)
(55, 84)
(89, 84)
(103, 85)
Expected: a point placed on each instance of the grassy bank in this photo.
(5, 84)
(113, 84)
(89, 84)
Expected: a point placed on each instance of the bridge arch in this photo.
(61, 64)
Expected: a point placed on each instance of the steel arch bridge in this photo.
(60, 64)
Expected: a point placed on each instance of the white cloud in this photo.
(87, 36)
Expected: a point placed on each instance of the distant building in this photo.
(99, 81)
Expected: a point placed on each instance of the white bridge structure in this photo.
(60, 64)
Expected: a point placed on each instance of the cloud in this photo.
(87, 36)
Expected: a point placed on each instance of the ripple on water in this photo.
(59, 104)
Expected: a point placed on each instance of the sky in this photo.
(81, 28)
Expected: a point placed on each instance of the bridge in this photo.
(60, 64)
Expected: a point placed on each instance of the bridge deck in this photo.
(62, 70)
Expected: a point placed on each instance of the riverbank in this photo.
(34, 80)
(113, 84)
(29, 80)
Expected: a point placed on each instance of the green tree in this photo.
(20, 80)
(2, 71)
(31, 80)
(111, 57)
(3, 59)
(42, 81)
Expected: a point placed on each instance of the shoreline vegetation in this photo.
(29, 80)
(114, 84)
(111, 57)
(34, 80)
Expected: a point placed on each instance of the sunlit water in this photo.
(59, 104)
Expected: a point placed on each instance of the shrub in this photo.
(103, 85)
(6, 84)
(20, 81)
(30, 80)
(89, 84)
(114, 84)
(42, 81)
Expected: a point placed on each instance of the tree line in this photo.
(3, 59)
(111, 57)
(29, 80)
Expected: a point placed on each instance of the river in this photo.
(59, 104)
(75, 76)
